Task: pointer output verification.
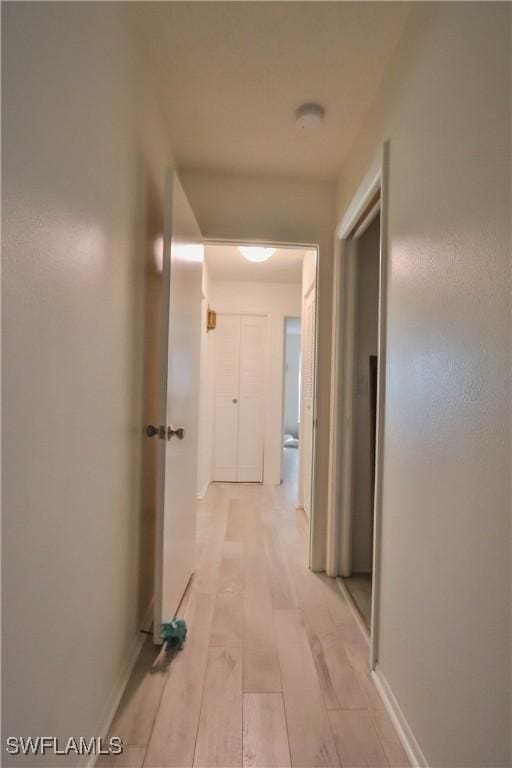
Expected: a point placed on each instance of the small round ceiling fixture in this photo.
(256, 253)
(309, 116)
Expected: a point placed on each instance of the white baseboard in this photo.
(119, 687)
(402, 727)
(202, 493)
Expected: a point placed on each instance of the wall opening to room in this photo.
(257, 294)
(364, 415)
(291, 403)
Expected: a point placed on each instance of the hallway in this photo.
(275, 670)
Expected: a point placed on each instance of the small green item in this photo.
(173, 633)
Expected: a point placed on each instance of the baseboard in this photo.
(202, 493)
(119, 688)
(402, 727)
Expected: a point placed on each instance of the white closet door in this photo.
(227, 370)
(251, 409)
(308, 371)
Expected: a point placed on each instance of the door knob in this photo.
(151, 431)
(179, 433)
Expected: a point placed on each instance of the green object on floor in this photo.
(173, 633)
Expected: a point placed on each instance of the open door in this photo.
(178, 410)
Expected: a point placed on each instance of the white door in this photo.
(227, 372)
(308, 381)
(251, 406)
(239, 398)
(179, 381)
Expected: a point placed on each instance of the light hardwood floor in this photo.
(275, 669)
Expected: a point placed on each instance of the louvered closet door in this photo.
(308, 392)
(251, 410)
(227, 369)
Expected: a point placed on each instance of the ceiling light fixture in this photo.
(309, 115)
(256, 253)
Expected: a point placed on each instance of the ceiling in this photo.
(231, 74)
(225, 262)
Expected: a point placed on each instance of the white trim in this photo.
(370, 216)
(402, 727)
(202, 493)
(116, 694)
(362, 197)
(259, 241)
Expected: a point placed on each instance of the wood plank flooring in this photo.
(274, 672)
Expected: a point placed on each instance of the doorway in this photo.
(272, 289)
(368, 206)
(291, 405)
(358, 572)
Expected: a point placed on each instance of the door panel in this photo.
(227, 372)
(180, 355)
(251, 412)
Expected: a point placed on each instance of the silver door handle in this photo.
(179, 433)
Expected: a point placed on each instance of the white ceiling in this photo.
(225, 262)
(231, 75)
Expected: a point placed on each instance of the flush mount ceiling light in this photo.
(309, 116)
(256, 253)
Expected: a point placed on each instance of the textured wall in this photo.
(81, 210)
(444, 639)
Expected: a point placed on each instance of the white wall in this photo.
(206, 395)
(445, 631)
(290, 211)
(291, 376)
(366, 339)
(277, 301)
(82, 185)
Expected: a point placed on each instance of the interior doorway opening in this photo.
(358, 571)
(291, 405)
(256, 295)
(369, 203)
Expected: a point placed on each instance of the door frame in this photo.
(356, 218)
(316, 532)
